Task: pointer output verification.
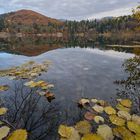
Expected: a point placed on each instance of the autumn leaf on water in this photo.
(91, 136)
(117, 120)
(105, 131)
(19, 134)
(99, 119)
(4, 131)
(110, 110)
(83, 127)
(3, 110)
(4, 87)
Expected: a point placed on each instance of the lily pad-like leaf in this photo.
(123, 133)
(98, 108)
(110, 110)
(65, 131)
(4, 131)
(99, 119)
(136, 118)
(4, 87)
(105, 131)
(89, 116)
(83, 127)
(3, 110)
(125, 115)
(84, 102)
(134, 127)
(117, 120)
(91, 136)
(19, 134)
(122, 108)
(126, 103)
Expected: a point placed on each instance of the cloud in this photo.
(71, 9)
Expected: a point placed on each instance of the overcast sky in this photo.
(72, 9)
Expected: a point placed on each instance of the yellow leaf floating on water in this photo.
(98, 108)
(3, 110)
(123, 133)
(99, 119)
(126, 102)
(117, 120)
(91, 136)
(110, 110)
(102, 103)
(19, 134)
(94, 100)
(84, 102)
(4, 87)
(125, 115)
(122, 108)
(105, 132)
(65, 131)
(74, 135)
(4, 132)
(134, 127)
(83, 127)
(136, 118)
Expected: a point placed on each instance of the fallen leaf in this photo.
(105, 132)
(123, 133)
(122, 108)
(125, 115)
(83, 127)
(89, 116)
(98, 108)
(4, 87)
(117, 120)
(110, 110)
(19, 134)
(99, 119)
(134, 127)
(84, 102)
(136, 118)
(65, 131)
(3, 110)
(126, 102)
(4, 131)
(91, 136)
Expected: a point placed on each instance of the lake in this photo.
(76, 72)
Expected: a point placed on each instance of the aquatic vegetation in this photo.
(102, 121)
(28, 73)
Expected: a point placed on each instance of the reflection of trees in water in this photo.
(33, 46)
(130, 87)
(34, 113)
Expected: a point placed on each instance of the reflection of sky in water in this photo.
(77, 72)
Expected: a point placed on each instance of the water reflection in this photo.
(34, 46)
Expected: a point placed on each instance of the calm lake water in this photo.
(76, 73)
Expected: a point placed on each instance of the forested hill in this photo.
(30, 22)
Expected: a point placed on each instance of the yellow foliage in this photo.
(65, 131)
(83, 127)
(105, 131)
(126, 102)
(122, 108)
(19, 134)
(98, 119)
(117, 120)
(123, 133)
(110, 110)
(134, 127)
(4, 132)
(3, 110)
(91, 136)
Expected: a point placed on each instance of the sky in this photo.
(72, 9)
